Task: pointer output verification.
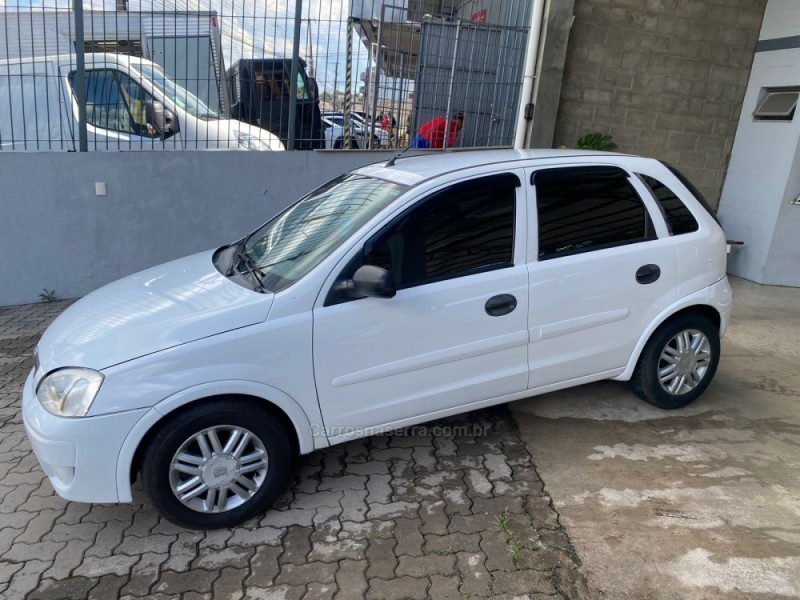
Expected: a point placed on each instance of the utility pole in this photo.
(335, 83)
(348, 82)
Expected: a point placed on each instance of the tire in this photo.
(693, 368)
(229, 496)
(339, 144)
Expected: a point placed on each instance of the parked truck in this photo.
(186, 45)
(188, 48)
(260, 91)
(131, 104)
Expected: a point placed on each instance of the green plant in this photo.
(596, 141)
(47, 295)
(536, 544)
(516, 551)
(501, 522)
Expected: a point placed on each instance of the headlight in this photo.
(250, 142)
(69, 392)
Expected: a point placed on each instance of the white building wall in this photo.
(764, 171)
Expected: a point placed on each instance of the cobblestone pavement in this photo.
(459, 512)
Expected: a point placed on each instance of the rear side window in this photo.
(679, 219)
(587, 208)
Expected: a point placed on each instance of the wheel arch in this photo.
(284, 408)
(695, 307)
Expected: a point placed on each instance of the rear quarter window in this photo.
(679, 218)
(693, 191)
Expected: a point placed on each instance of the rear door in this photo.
(602, 267)
(455, 333)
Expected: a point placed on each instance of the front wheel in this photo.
(678, 363)
(216, 464)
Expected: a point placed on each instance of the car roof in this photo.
(412, 170)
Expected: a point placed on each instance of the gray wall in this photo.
(665, 77)
(55, 233)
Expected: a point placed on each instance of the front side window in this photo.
(466, 229)
(114, 101)
(297, 240)
(587, 208)
(679, 219)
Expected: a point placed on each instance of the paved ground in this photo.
(458, 512)
(700, 503)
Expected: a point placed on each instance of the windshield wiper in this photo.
(250, 265)
(290, 259)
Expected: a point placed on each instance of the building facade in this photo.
(665, 78)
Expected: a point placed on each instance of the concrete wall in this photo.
(550, 76)
(664, 77)
(764, 173)
(55, 233)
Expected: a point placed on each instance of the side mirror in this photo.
(372, 281)
(162, 119)
(314, 87)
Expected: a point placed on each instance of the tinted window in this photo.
(466, 229)
(679, 219)
(693, 190)
(585, 208)
(114, 101)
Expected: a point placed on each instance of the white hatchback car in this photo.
(392, 295)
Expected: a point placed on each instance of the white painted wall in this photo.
(764, 169)
(781, 19)
(56, 233)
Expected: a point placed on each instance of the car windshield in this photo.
(297, 240)
(178, 94)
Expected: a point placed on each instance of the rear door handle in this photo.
(648, 274)
(500, 305)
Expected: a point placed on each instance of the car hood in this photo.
(165, 306)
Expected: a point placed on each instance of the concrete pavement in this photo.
(450, 510)
(698, 503)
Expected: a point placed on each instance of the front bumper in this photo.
(78, 455)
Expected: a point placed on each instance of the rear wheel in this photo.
(678, 363)
(339, 144)
(216, 464)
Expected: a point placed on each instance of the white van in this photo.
(392, 295)
(130, 105)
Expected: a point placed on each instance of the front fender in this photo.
(309, 437)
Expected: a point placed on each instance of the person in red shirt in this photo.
(432, 133)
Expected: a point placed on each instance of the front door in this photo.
(455, 333)
(599, 274)
(115, 112)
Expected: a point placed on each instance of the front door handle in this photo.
(500, 305)
(648, 274)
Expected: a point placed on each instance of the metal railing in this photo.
(259, 75)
